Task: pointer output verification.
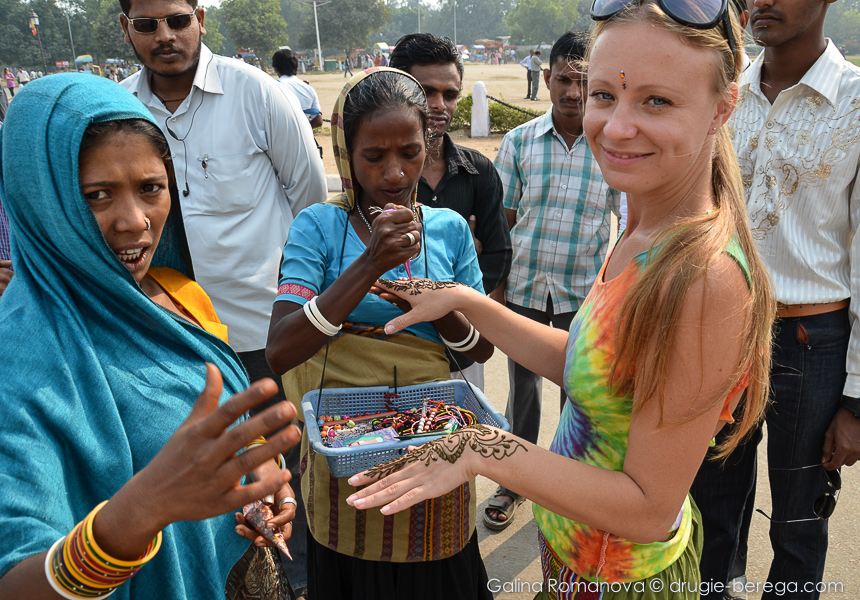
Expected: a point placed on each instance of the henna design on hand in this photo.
(488, 442)
(415, 286)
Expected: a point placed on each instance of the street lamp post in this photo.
(455, 22)
(71, 39)
(34, 24)
(317, 25)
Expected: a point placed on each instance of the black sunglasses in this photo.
(150, 25)
(698, 14)
(823, 506)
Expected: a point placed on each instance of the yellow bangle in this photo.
(115, 562)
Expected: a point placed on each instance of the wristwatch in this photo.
(852, 405)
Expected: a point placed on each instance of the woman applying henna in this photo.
(333, 256)
(675, 327)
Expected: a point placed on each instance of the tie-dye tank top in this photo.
(594, 429)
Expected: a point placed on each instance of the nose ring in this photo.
(148, 224)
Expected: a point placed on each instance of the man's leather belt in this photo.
(785, 311)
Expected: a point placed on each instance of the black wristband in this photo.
(852, 405)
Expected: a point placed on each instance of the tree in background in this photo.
(295, 13)
(214, 39)
(255, 24)
(346, 24)
(108, 40)
(541, 21)
(842, 25)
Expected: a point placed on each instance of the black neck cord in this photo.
(186, 191)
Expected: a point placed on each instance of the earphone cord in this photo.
(186, 192)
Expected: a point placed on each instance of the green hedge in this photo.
(502, 118)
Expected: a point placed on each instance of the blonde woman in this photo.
(675, 328)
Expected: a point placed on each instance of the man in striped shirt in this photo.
(796, 133)
(558, 207)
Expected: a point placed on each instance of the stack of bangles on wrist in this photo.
(259, 442)
(318, 320)
(77, 568)
(470, 342)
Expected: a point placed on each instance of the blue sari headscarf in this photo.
(94, 376)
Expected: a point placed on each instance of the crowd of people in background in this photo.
(174, 279)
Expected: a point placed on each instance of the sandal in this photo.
(509, 509)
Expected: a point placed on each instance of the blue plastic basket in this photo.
(346, 462)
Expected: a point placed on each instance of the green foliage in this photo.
(346, 24)
(255, 24)
(842, 25)
(295, 13)
(541, 21)
(476, 19)
(463, 115)
(18, 46)
(212, 23)
(108, 38)
(502, 118)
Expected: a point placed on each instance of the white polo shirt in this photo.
(306, 94)
(250, 164)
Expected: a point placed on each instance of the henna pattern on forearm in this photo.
(415, 286)
(489, 443)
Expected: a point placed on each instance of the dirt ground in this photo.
(511, 556)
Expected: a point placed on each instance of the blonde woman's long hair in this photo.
(687, 250)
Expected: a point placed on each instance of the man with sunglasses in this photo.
(245, 163)
(798, 146)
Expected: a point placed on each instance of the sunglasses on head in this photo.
(698, 14)
(150, 25)
(823, 506)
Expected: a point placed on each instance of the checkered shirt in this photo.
(563, 216)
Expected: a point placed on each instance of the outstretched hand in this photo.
(197, 474)
(429, 300)
(431, 470)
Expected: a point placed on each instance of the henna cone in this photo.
(258, 514)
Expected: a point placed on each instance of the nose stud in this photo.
(148, 224)
(401, 173)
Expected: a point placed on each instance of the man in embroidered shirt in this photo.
(245, 162)
(798, 144)
(558, 207)
(456, 177)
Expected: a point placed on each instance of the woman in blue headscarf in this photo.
(107, 341)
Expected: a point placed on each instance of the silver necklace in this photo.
(366, 222)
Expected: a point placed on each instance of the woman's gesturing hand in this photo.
(197, 474)
(390, 242)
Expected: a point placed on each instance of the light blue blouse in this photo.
(312, 260)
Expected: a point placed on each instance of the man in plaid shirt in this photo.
(558, 207)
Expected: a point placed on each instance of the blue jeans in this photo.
(807, 378)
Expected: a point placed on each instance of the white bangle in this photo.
(312, 312)
(322, 320)
(467, 344)
(49, 574)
